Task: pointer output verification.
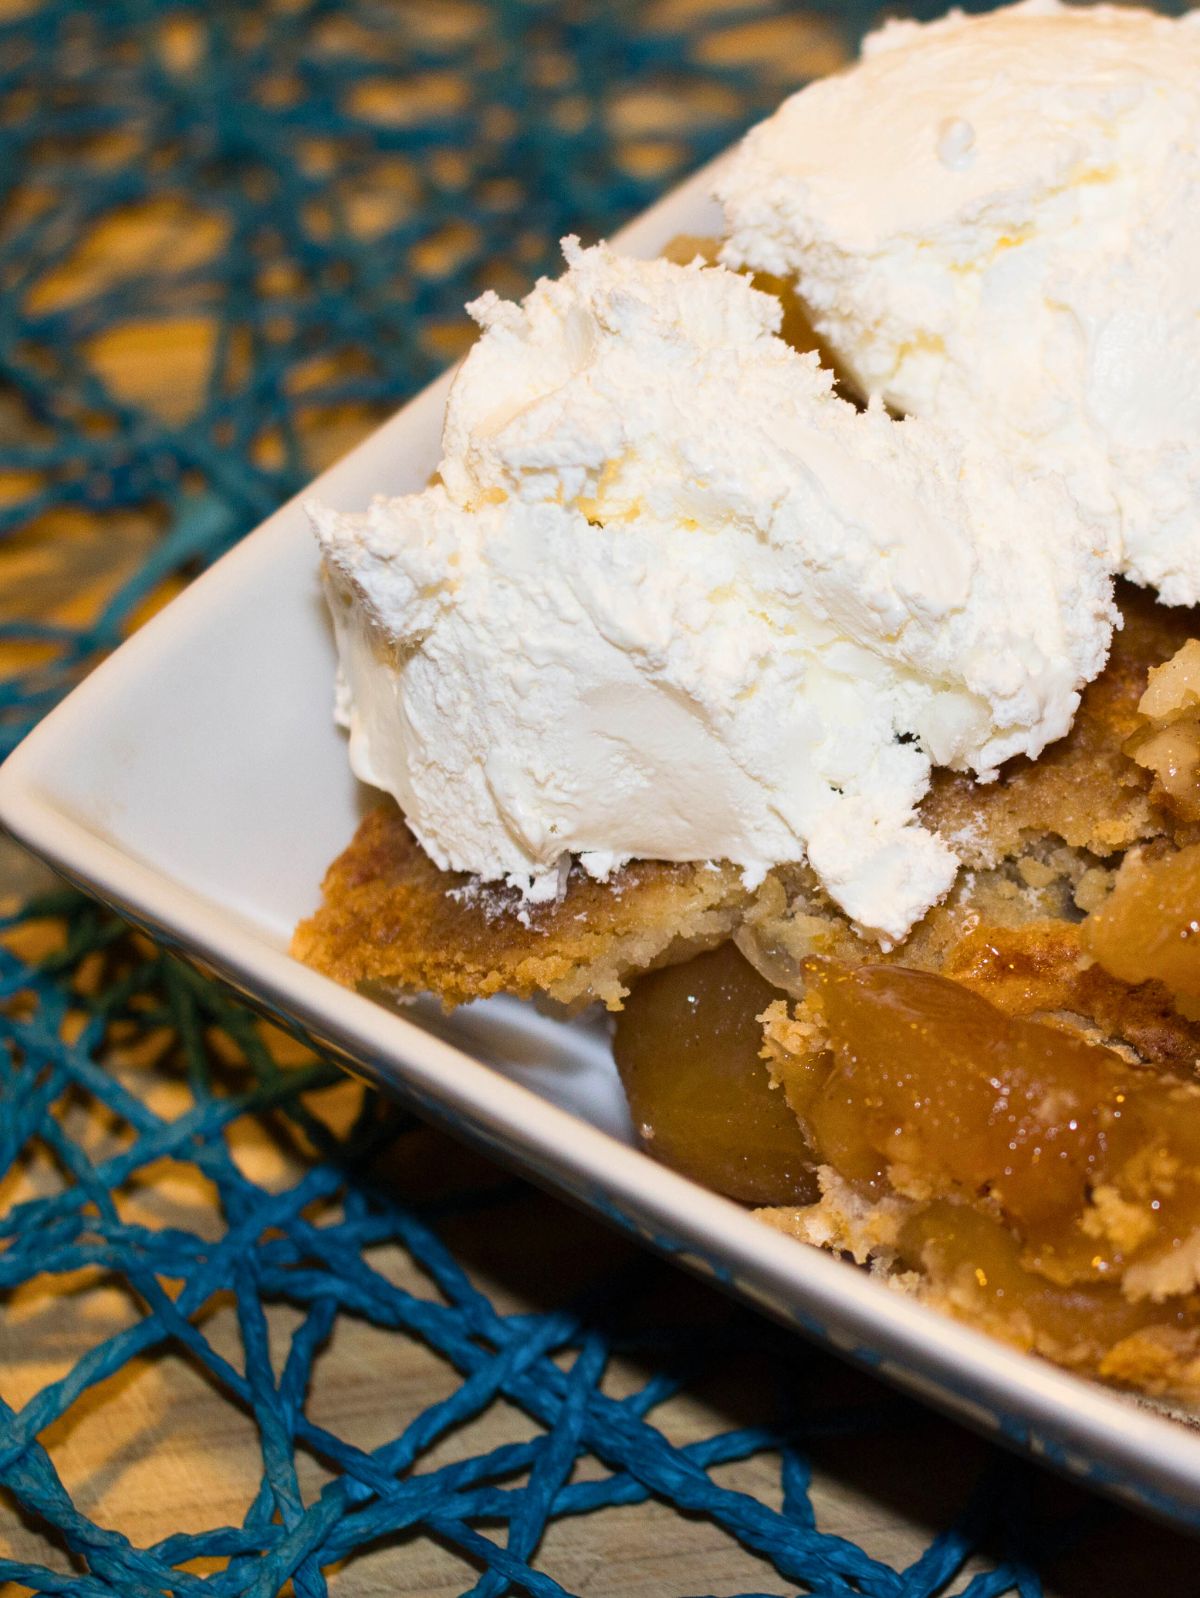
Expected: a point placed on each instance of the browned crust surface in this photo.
(1084, 789)
(1041, 972)
(395, 923)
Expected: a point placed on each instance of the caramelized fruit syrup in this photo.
(1051, 1189)
(1093, 1163)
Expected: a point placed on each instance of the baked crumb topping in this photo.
(393, 924)
(1167, 739)
(1085, 789)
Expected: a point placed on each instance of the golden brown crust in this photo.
(1084, 789)
(1042, 972)
(394, 923)
(1167, 742)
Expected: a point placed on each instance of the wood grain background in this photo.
(155, 1450)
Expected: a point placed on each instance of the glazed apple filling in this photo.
(1017, 1171)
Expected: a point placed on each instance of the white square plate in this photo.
(196, 782)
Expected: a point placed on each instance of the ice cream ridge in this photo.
(671, 597)
(995, 220)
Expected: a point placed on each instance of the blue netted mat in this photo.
(104, 1031)
(231, 237)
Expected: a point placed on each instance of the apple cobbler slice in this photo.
(1000, 1114)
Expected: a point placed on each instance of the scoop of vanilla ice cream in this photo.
(673, 598)
(995, 220)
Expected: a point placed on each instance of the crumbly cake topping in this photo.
(394, 924)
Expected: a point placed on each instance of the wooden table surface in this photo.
(155, 1450)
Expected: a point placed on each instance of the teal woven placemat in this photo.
(233, 234)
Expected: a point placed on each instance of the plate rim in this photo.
(1113, 1441)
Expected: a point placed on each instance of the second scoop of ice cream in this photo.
(995, 220)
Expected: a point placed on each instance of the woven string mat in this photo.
(261, 1333)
